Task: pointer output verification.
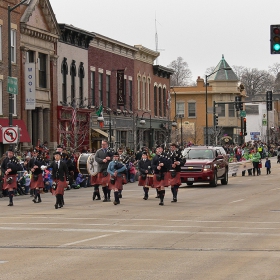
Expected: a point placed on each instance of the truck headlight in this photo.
(207, 166)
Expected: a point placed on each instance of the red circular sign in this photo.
(10, 135)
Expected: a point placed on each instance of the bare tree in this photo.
(274, 69)
(182, 74)
(256, 81)
(209, 70)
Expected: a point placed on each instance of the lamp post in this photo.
(143, 122)
(11, 97)
(206, 101)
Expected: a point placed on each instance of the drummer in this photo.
(144, 166)
(103, 157)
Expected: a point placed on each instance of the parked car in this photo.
(205, 165)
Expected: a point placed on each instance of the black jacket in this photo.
(176, 156)
(157, 159)
(12, 163)
(61, 173)
(145, 165)
(39, 162)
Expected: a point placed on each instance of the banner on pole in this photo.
(120, 88)
(30, 89)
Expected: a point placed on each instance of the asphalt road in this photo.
(228, 232)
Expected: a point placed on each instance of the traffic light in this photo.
(245, 126)
(269, 100)
(237, 102)
(216, 121)
(240, 105)
(275, 39)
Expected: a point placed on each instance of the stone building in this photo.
(39, 35)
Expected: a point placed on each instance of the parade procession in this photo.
(108, 169)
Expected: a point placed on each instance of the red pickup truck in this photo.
(205, 164)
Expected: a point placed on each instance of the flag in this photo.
(99, 113)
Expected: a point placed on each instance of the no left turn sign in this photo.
(10, 135)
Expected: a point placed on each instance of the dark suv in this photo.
(205, 164)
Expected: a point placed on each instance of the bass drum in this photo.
(87, 164)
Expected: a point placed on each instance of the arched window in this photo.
(138, 92)
(160, 102)
(155, 100)
(164, 102)
(81, 83)
(73, 73)
(148, 93)
(64, 71)
(144, 93)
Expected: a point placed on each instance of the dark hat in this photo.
(57, 153)
(11, 149)
(145, 153)
(59, 146)
(116, 154)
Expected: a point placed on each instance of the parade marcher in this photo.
(256, 157)
(37, 181)
(116, 170)
(144, 167)
(124, 158)
(9, 167)
(102, 156)
(177, 161)
(60, 179)
(160, 166)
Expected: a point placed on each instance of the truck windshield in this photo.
(198, 154)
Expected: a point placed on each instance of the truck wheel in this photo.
(189, 184)
(213, 183)
(224, 181)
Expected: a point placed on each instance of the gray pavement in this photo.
(227, 232)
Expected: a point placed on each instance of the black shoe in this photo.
(174, 200)
(105, 200)
(10, 204)
(161, 203)
(115, 202)
(60, 206)
(93, 198)
(39, 200)
(56, 206)
(145, 197)
(34, 200)
(157, 197)
(108, 200)
(120, 195)
(98, 198)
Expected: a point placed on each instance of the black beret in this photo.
(57, 153)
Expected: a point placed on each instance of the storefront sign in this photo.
(30, 88)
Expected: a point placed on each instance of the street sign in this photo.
(243, 114)
(264, 122)
(10, 135)
(12, 85)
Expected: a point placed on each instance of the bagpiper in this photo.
(10, 166)
(37, 182)
(145, 169)
(176, 161)
(160, 167)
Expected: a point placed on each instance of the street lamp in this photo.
(11, 97)
(206, 101)
(174, 124)
(143, 122)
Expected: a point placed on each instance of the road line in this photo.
(85, 240)
(1, 262)
(236, 201)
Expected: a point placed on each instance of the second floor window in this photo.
(108, 82)
(191, 110)
(92, 87)
(1, 42)
(231, 110)
(13, 46)
(64, 71)
(180, 108)
(73, 74)
(100, 88)
(155, 100)
(42, 66)
(81, 83)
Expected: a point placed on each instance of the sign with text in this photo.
(12, 85)
(120, 88)
(30, 89)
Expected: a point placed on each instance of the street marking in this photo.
(85, 240)
(1, 262)
(237, 201)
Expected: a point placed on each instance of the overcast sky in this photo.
(200, 31)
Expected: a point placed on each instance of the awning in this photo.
(24, 136)
(101, 132)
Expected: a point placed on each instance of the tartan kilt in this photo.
(10, 186)
(60, 187)
(118, 183)
(93, 180)
(37, 184)
(101, 180)
(161, 183)
(174, 181)
(141, 181)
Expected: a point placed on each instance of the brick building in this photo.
(15, 60)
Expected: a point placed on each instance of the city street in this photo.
(228, 232)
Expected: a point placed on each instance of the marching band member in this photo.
(37, 182)
(103, 156)
(10, 166)
(177, 161)
(160, 166)
(144, 166)
(124, 158)
(116, 169)
(60, 178)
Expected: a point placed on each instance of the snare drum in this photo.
(87, 164)
(149, 181)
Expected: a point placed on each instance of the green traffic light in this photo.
(276, 47)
